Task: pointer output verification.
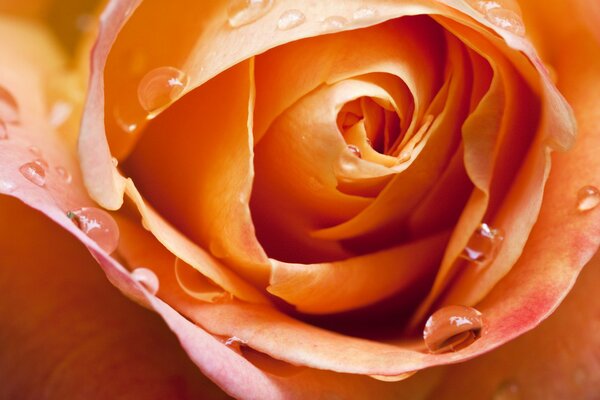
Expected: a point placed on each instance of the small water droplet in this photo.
(114, 161)
(334, 23)
(364, 13)
(146, 277)
(234, 340)
(98, 225)
(9, 108)
(60, 113)
(483, 245)
(64, 174)
(243, 12)
(484, 6)
(290, 19)
(34, 172)
(161, 87)
(452, 328)
(3, 131)
(404, 156)
(507, 390)
(507, 20)
(7, 186)
(35, 151)
(127, 118)
(354, 150)
(588, 198)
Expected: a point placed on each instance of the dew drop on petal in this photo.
(484, 6)
(335, 23)
(364, 13)
(35, 151)
(588, 198)
(290, 19)
(452, 328)
(98, 225)
(9, 108)
(161, 87)
(234, 340)
(3, 131)
(243, 12)
(507, 20)
(114, 161)
(507, 390)
(354, 150)
(484, 244)
(34, 172)
(147, 278)
(64, 174)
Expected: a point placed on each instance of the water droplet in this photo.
(404, 156)
(354, 150)
(60, 113)
(7, 186)
(507, 390)
(114, 161)
(484, 6)
(452, 328)
(147, 278)
(335, 23)
(3, 131)
(243, 12)
(393, 378)
(34, 172)
(364, 13)
(507, 20)
(588, 198)
(64, 174)
(234, 340)
(98, 225)
(290, 19)
(483, 246)
(161, 87)
(35, 151)
(9, 108)
(127, 121)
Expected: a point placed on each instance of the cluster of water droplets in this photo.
(499, 13)
(244, 12)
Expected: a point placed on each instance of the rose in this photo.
(357, 378)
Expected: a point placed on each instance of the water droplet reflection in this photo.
(334, 23)
(243, 12)
(588, 198)
(452, 328)
(98, 225)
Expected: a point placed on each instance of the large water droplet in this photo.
(364, 13)
(484, 245)
(507, 20)
(34, 172)
(161, 87)
(9, 108)
(588, 198)
(3, 131)
(147, 278)
(354, 150)
(243, 12)
(98, 225)
(507, 391)
(290, 19)
(334, 23)
(64, 174)
(452, 328)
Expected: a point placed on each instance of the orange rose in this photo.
(316, 183)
